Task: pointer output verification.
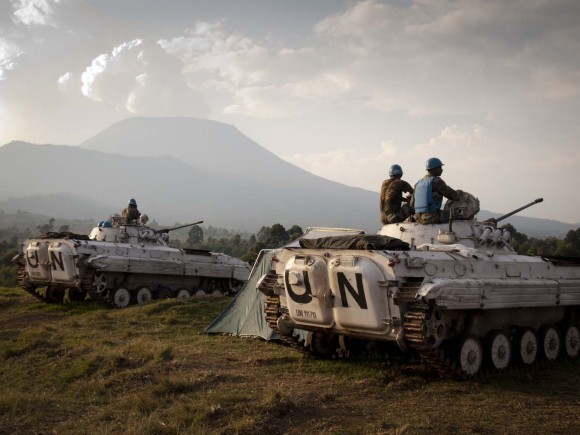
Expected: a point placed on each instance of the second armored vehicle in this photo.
(123, 264)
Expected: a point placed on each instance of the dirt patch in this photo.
(19, 319)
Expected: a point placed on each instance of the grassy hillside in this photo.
(148, 370)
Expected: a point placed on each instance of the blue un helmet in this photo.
(133, 202)
(395, 170)
(433, 163)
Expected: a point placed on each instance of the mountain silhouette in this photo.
(208, 145)
(237, 185)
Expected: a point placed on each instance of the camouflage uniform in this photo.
(131, 214)
(391, 197)
(439, 191)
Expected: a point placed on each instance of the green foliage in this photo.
(23, 224)
(569, 247)
(195, 235)
(46, 228)
(8, 270)
(246, 248)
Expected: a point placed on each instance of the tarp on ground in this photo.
(245, 315)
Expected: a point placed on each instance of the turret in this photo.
(462, 228)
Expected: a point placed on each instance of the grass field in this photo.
(83, 368)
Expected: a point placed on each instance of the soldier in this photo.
(392, 192)
(429, 193)
(131, 214)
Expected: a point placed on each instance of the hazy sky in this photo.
(341, 88)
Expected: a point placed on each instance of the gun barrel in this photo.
(166, 230)
(507, 215)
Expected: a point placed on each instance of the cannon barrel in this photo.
(166, 230)
(507, 215)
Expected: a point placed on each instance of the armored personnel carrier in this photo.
(123, 264)
(456, 293)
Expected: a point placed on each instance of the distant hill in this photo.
(62, 205)
(170, 190)
(104, 180)
(185, 169)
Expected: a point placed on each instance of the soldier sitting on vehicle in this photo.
(131, 213)
(429, 193)
(392, 192)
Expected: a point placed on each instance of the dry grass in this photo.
(149, 370)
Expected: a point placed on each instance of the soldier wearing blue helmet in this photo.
(429, 193)
(131, 213)
(392, 196)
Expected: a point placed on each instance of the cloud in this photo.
(64, 81)
(207, 48)
(288, 99)
(555, 84)
(263, 80)
(34, 12)
(326, 86)
(491, 46)
(462, 147)
(9, 54)
(362, 27)
(140, 77)
(351, 166)
(452, 137)
(263, 102)
(388, 56)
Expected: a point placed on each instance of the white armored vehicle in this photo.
(123, 264)
(456, 293)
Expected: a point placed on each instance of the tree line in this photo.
(568, 247)
(246, 249)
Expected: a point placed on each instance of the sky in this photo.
(341, 88)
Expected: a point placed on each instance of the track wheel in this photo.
(76, 295)
(209, 285)
(470, 356)
(526, 346)
(121, 298)
(100, 282)
(164, 293)
(143, 296)
(571, 341)
(550, 343)
(233, 286)
(54, 295)
(183, 293)
(498, 350)
(323, 345)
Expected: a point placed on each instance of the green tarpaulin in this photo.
(245, 315)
